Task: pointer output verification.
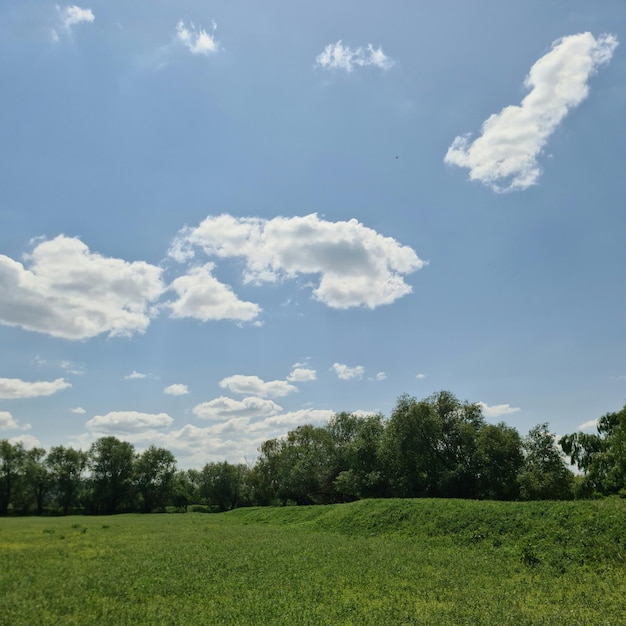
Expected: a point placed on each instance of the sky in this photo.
(222, 220)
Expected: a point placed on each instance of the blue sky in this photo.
(220, 220)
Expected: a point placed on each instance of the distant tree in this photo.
(37, 479)
(356, 446)
(602, 456)
(544, 475)
(500, 460)
(299, 467)
(111, 465)
(430, 447)
(12, 460)
(153, 476)
(223, 484)
(66, 467)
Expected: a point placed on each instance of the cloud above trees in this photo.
(356, 266)
(504, 157)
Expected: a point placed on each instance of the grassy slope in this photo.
(372, 562)
(558, 533)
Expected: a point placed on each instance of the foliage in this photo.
(544, 475)
(602, 457)
(111, 464)
(153, 475)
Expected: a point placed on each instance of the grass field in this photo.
(370, 562)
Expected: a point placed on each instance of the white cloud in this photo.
(348, 373)
(69, 292)
(128, 422)
(278, 425)
(197, 40)
(28, 441)
(587, 425)
(201, 296)
(338, 56)
(224, 408)
(14, 388)
(302, 375)
(7, 422)
(504, 157)
(356, 265)
(79, 410)
(134, 375)
(68, 17)
(497, 409)
(421, 376)
(176, 390)
(253, 385)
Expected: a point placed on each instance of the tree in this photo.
(37, 479)
(66, 467)
(154, 471)
(601, 456)
(430, 446)
(111, 464)
(356, 444)
(500, 459)
(223, 484)
(298, 467)
(12, 459)
(544, 475)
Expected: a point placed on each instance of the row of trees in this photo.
(436, 447)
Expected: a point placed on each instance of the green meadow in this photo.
(368, 562)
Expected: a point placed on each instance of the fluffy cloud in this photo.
(14, 388)
(224, 408)
(504, 157)
(79, 410)
(176, 390)
(278, 425)
(356, 265)
(67, 291)
(302, 375)
(28, 441)
(6, 421)
(338, 56)
(201, 296)
(197, 40)
(253, 385)
(420, 376)
(134, 375)
(128, 422)
(497, 409)
(348, 373)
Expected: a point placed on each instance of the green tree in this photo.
(12, 461)
(602, 456)
(154, 472)
(299, 467)
(66, 467)
(430, 447)
(223, 484)
(500, 460)
(111, 465)
(37, 479)
(544, 475)
(356, 446)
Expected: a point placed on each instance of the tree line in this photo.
(436, 447)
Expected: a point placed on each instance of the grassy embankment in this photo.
(370, 562)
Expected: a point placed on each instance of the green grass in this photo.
(370, 562)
